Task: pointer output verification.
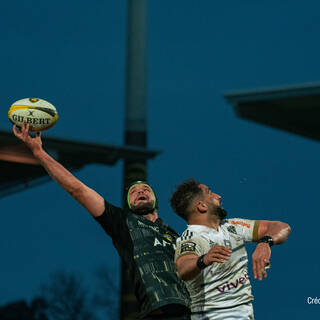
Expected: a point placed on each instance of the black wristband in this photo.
(266, 239)
(200, 263)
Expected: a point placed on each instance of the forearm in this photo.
(187, 267)
(58, 173)
(89, 198)
(86, 196)
(279, 232)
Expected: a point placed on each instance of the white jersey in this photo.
(220, 285)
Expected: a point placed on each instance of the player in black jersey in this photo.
(144, 242)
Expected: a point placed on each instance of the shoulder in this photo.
(244, 227)
(240, 222)
(110, 207)
(112, 218)
(192, 241)
(194, 234)
(186, 235)
(191, 232)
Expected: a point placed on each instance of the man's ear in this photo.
(202, 207)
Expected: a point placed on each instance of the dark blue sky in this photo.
(72, 53)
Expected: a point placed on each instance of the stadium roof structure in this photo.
(20, 170)
(295, 109)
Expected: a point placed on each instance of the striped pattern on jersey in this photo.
(220, 285)
(187, 235)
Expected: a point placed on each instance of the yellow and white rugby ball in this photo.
(38, 113)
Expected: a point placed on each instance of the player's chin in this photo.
(143, 205)
(146, 204)
(222, 213)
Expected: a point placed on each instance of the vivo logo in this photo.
(232, 285)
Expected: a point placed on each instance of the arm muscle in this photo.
(187, 267)
(86, 196)
(279, 231)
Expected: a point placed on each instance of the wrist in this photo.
(200, 263)
(266, 239)
(38, 152)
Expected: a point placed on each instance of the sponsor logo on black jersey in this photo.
(167, 236)
(143, 225)
(163, 243)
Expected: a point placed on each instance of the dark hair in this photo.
(183, 196)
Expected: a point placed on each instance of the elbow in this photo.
(286, 228)
(182, 275)
(185, 276)
(186, 268)
(283, 234)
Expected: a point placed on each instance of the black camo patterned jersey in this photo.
(147, 248)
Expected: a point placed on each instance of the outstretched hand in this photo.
(34, 143)
(261, 260)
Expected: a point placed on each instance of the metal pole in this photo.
(135, 125)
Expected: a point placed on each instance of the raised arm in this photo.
(279, 232)
(86, 196)
(189, 267)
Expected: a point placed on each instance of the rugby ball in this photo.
(38, 113)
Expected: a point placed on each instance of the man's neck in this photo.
(152, 216)
(205, 220)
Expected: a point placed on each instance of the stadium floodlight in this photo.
(295, 109)
(20, 170)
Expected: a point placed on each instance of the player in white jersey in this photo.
(211, 255)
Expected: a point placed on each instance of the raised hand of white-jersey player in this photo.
(260, 260)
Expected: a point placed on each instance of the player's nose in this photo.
(217, 196)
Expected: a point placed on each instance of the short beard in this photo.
(219, 212)
(144, 209)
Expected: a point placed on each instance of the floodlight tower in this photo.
(135, 125)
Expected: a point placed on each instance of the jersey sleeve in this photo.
(247, 229)
(191, 243)
(113, 220)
